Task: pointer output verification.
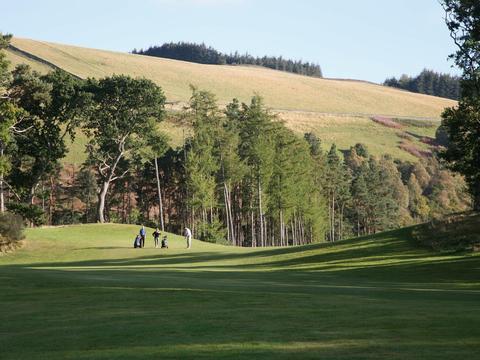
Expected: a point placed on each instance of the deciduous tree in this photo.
(123, 112)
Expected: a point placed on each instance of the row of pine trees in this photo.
(244, 177)
(202, 54)
(249, 179)
(428, 82)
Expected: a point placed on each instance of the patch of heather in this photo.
(386, 121)
(428, 140)
(404, 135)
(413, 150)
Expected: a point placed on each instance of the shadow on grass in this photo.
(388, 261)
(363, 299)
(342, 250)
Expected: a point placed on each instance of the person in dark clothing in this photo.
(165, 242)
(143, 234)
(156, 236)
(137, 241)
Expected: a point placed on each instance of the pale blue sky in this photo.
(369, 39)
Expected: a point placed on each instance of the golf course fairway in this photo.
(83, 292)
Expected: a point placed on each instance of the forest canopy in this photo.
(428, 82)
(202, 54)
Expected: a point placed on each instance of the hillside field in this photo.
(82, 292)
(336, 110)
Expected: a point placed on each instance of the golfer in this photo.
(156, 236)
(142, 235)
(188, 237)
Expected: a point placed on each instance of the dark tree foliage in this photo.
(123, 113)
(442, 137)
(462, 122)
(314, 143)
(428, 82)
(4, 74)
(200, 53)
(11, 228)
(30, 212)
(53, 103)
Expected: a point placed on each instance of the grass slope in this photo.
(336, 110)
(281, 90)
(345, 131)
(82, 292)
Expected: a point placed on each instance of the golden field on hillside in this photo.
(281, 90)
(336, 110)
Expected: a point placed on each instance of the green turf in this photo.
(82, 292)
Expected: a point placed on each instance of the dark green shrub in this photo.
(66, 217)
(441, 136)
(11, 228)
(31, 213)
(457, 232)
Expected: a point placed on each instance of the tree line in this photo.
(241, 177)
(200, 53)
(428, 82)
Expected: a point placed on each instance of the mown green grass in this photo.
(82, 292)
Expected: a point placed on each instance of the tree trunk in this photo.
(341, 221)
(333, 218)
(293, 232)
(2, 198)
(101, 201)
(260, 210)
(31, 199)
(358, 225)
(230, 217)
(227, 215)
(252, 219)
(160, 202)
(476, 199)
(51, 201)
(329, 219)
(282, 229)
(295, 229)
(108, 179)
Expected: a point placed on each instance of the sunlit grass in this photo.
(336, 110)
(281, 90)
(83, 292)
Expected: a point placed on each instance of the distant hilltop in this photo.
(202, 54)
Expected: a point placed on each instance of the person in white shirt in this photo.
(188, 237)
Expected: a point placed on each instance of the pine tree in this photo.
(201, 163)
(360, 196)
(337, 183)
(256, 150)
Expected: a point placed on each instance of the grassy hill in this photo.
(336, 110)
(82, 292)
